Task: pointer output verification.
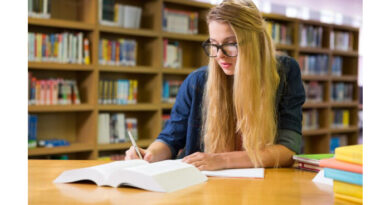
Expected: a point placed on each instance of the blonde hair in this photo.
(244, 104)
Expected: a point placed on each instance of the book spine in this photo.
(344, 176)
(348, 189)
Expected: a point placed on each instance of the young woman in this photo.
(242, 110)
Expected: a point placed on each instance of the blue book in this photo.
(344, 176)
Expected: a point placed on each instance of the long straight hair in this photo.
(243, 104)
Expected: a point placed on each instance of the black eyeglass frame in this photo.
(207, 42)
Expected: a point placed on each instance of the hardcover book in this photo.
(163, 176)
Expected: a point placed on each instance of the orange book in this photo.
(341, 165)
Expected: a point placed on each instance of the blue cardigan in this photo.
(183, 129)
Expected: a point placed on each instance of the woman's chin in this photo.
(228, 71)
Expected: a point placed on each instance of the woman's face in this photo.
(222, 33)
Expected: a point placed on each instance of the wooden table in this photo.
(280, 186)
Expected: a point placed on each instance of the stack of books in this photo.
(310, 162)
(346, 170)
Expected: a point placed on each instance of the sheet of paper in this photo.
(244, 173)
(320, 178)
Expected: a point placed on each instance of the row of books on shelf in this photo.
(33, 141)
(314, 91)
(63, 47)
(39, 8)
(112, 13)
(313, 64)
(172, 54)
(280, 33)
(113, 127)
(339, 118)
(342, 92)
(170, 90)
(337, 66)
(121, 91)
(310, 119)
(338, 140)
(118, 52)
(32, 130)
(180, 21)
(341, 40)
(53, 91)
(310, 36)
(112, 157)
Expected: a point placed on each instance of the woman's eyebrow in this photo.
(224, 40)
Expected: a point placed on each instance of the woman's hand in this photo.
(205, 161)
(146, 154)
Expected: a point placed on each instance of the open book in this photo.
(163, 176)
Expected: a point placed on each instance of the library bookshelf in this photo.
(79, 123)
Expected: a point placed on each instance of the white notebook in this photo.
(163, 176)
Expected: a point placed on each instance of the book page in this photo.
(163, 176)
(113, 166)
(98, 174)
(160, 167)
(245, 173)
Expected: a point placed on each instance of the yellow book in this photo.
(349, 198)
(352, 153)
(348, 189)
(38, 56)
(130, 95)
(346, 118)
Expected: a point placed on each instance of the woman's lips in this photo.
(225, 65)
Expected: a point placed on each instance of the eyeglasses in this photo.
(211, 50)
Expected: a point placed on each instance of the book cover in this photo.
(348, 189)
(353, 154)
(309, 167)
(344, 176)
(313, 159)
(341, 165)
(348, 198)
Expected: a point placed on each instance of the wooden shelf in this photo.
(345, 104)
(349, 78)
(167, 106)
(190, 3)
(277, 17)
(59, 108)
(316, 77)
(128, 69)
(59, 66)
(314, 23)
(123, 146)
(75, 147)
(314, 50)
(285, 47)
(315, 105)
(315, 132)
(344, 130)
(56, 23)
(129, 107)
(345, 53)
(183, 71)
(186, 37)
(128, 31)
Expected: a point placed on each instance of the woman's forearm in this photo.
(270, 156)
